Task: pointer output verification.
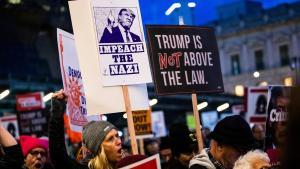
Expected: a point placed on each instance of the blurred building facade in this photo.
(252, 39)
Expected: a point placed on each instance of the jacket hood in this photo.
(202, 159)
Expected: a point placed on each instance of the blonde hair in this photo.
(252, 160)
(100, 161)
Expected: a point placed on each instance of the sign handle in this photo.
(130, 120)
(141, 144)
(197, 121)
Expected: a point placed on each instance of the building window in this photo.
(284, 55)
(259, 60)
(235, 65)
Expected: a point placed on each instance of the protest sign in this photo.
(257, 104)
(34, 122)
(184, 59)
(152, 162)
(142, 123)
(10, 123)
(158, 124)
(276, 124)
(32, 117)
(72, 80)
(121, 44)
(87, 51)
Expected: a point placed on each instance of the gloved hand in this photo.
(58, 103)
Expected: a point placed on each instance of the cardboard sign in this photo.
(276, 125)
(142, 122)
(30, 101)
(10, 123)
(184, 59)
(72, 80)
(88, 56)
(152, 162)
(122, 49)
(33, 122)
(257, 104)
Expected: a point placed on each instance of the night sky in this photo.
(153, 11)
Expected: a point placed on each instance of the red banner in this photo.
(30, 101)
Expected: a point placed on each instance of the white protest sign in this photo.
(72, 80)
(158, 124)
(99, 99)
(257, 104)
(10, 123)
(122, 50)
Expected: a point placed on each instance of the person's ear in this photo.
(220, 147)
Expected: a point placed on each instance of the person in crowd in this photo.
(231, 138)
(165, 151)
(182, 146)
(121, 32)
(205, 136)
(101, 142)
(259, 136)
(12, 157)
(151, 147)
(290, 155)
(35, 151)
(261, 105)
(255, 159)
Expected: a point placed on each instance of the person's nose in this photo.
(118, 141)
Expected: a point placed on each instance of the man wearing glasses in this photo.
(35, 152)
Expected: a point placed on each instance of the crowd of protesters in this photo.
(232, 144)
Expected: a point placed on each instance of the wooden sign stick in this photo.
(130, 124)
(197, 121)
(141, 143)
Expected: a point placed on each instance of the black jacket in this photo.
(13, 158)
(58, 152)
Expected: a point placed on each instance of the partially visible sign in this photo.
(10, 123)
(276, 125)
(184, 59)
(142, 122)
(122, 50)
(257, 104)
(72, 80)
(158, 124)
(152, 162)
(30, 101)
(33, 122)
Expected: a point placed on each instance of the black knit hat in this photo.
(181, 142)
(234, 131)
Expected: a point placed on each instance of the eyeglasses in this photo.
(36, 153)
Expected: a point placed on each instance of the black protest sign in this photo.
(184, 59)
(33, 122)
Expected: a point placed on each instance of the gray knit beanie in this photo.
(93, 134)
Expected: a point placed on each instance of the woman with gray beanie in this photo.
(101, 141)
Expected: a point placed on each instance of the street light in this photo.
(172, 8)
(4, 94)
(222, 107)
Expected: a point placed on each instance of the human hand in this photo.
(58, 103)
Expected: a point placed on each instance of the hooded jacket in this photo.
(204, 160)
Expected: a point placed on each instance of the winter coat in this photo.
(204, 160)
(13, 158)
(58, 152)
